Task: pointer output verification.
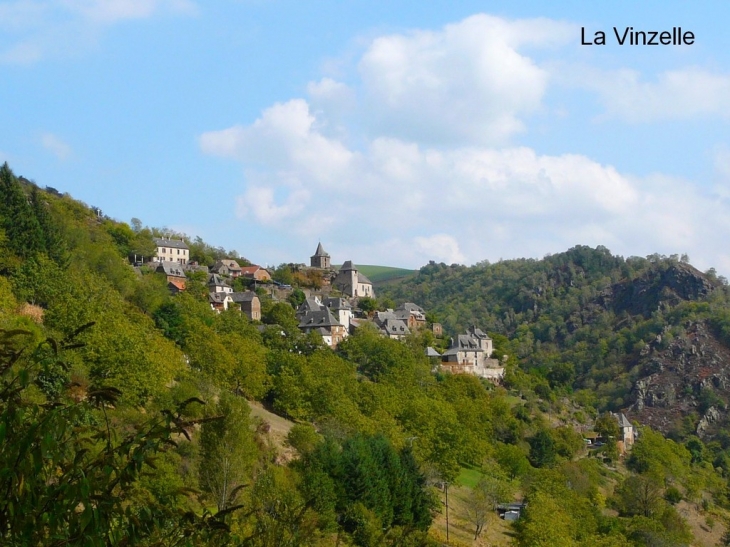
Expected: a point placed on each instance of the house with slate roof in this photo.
(320, 258)
(172, 270)
(627, 432)
(171, 250)
(315, 316)
(218, 284)
(470, 354)
(341, 309)
(411, 314)
(220, 301)
(353, 283)
(227, 267)
(390, 325)
(250, 304)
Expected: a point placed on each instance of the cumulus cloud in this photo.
(475, 202)
(435, 176)
(683, 94)
(440, 247)
(467, 82)
(55, 146)
(283, 139)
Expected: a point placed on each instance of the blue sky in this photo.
(394, 132)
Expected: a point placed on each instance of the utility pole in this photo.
(446, 489)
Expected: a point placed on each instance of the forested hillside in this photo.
(124, 414)
(617, 333)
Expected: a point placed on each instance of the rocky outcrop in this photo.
(679, 376)
(661, 286)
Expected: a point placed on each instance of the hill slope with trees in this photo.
(124, 417)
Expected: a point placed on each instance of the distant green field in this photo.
(469, 477)
(380, 274)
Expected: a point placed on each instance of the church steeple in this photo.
(320, 259)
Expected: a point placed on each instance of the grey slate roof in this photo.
(337, 304)
(320, 251)
(309, 304)
(216, 281)
(246, 296)
(218, 297)
(347, 266)
(231, 264)
(362, 279)
(623, 421)
(467, 342)
(396, 327)
(174, 269)
(430, 352)
(174, 243)
(411, 307)
(318, 318)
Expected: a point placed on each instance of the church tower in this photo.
(320, 259)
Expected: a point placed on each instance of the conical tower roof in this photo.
(320, 250)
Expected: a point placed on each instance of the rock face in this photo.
(667, 287)
(687, 375)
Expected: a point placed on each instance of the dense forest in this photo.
(125, 411)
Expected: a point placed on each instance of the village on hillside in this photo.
(336, 303)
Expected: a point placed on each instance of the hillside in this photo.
(645, 335)
(131, 414)
(383, 274)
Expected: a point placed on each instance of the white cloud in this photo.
(56, 146)
(682, 94)
(466, 83)
(439, 247)
(261, 203)
(284, 139)
(477, 202)
(37, 28)
(434, 176)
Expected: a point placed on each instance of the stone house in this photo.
(218, 284)
(411, 314)
(173, 272)
(256, 272)
(353, 283)
(250, 304)
(227, 267)
(171, 250)
(627, 432)
(315, 316)
(470, 353)
(390, 325)
(220, 301)
(341, 309)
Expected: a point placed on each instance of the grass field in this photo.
(380, 274)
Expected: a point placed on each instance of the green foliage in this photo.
(69, 479)
(373, 486)
(228, 452)
(542, 449)
(303, 437)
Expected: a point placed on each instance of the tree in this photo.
(228, 452)
(484, 498)
(640, 495)
(512, 460)
(542, 449)
(67, 477)
(546, 523)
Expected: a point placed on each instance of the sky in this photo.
(393, 132)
